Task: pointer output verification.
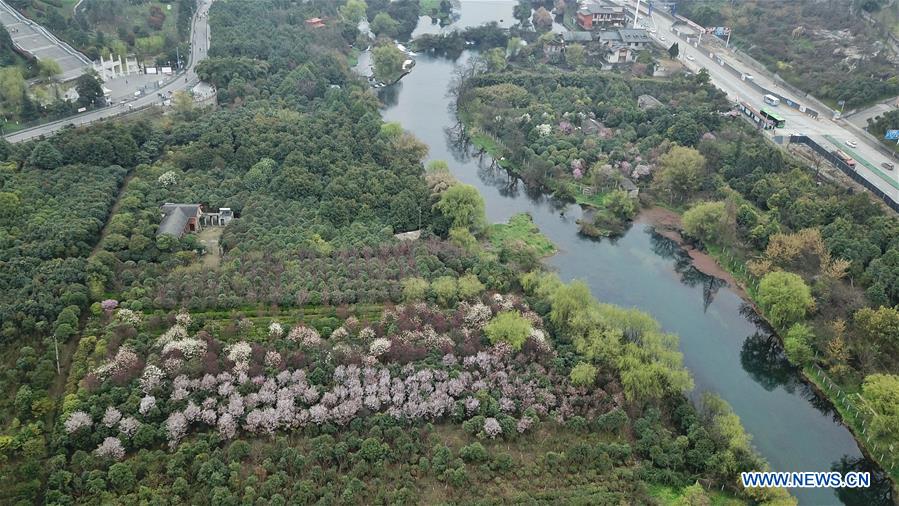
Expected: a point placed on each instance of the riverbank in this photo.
(668, 224)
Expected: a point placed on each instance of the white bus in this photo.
(772, 100)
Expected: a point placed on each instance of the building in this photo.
(179, 219)
(315, 23)
(594, 14)
(624, 44)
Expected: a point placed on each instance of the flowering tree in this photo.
(109, 305)
(111, 448)
(492, 428)
(167, 179)
(275, 330)
(78, 420)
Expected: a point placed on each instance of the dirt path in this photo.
(209, 238)
(113, 211)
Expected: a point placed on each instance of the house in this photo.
(315, 23)
(627, 185)
(179, 219)
(624, 44)
(600, 13)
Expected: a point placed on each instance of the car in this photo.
(852, 144)
(662, 38)
(749, 77)
(887, 165)
(690, 57)
(653, 31)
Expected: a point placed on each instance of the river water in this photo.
(724, 347)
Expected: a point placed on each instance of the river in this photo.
(724, 347)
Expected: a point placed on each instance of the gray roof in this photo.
(600, 8)
(175, 218)
(634, 35)
(628, 185)
(625, 36)
(577, 36)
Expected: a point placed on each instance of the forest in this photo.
(316, 358)
(827, 48)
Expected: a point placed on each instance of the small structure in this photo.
(412, 235)
(180, 219)
(647, 102)
(315, 23)
(600, 13)
(627, 185)
(219, 219)
(114, 67)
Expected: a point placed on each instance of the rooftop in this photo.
(577, 36)
(176, 217)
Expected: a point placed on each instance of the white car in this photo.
(653, 31)
(690, 57)
(852, 144)
(662, 38)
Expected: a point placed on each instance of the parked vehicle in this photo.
(852, 144)
(887, 165)
(772, 100)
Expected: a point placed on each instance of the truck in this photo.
(839, 153)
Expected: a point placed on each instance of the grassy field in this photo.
(521, 228)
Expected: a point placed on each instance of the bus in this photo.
(839, 153)
(772, 100)
(778, 121)
(755, 116)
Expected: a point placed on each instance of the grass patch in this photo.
(670, 495)
(521, 228)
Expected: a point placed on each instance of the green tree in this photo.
(90, 90)
(45, 156)
(415, 289)
(470, 287)
(797, 344)
(674, 50)
(384, 25)
(882, 393)
(48, 68)
(706, 221)
(353, 10)
(583, 374)
(680, 174)
(12, 88)
(445, 290)
(785, 298)
(495, 59)
(879, 329)
(575, 55)
(694, 495)
(508, 327)
(621, 205)
(464, 207)
(388, 61)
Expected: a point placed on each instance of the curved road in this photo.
(199, 35)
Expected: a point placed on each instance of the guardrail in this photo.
(846, 169)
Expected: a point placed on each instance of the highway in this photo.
(199, 35)
(823, 130)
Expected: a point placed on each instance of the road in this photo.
(37, 41)
(199, 36)
(824, 131)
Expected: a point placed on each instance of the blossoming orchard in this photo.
(416, 363)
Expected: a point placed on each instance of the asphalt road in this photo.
(37, 41)
(824, 131)
(199, 48)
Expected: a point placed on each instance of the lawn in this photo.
(521, 228)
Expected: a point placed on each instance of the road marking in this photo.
(892, 182)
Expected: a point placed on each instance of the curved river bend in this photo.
(725, 349)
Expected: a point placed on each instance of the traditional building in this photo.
(179, 219)
(595, 14)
